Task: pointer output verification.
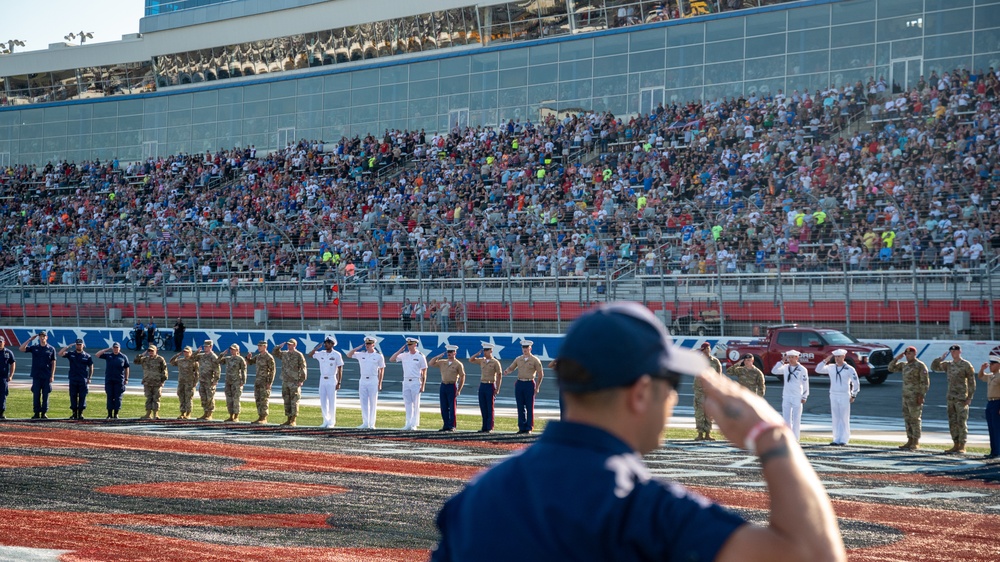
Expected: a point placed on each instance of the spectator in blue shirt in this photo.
(582, 491)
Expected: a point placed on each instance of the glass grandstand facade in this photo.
(495, 69)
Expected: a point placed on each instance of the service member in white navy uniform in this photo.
(414, 379)
(844, 388)
(372, 370)
(795, 391)
(331, 372)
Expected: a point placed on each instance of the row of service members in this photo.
(201, 370)
(415, 364)
(845, 384)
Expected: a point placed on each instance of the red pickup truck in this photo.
(870, 359)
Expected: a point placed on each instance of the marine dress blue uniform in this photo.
(608, 486)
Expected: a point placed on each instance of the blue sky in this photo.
(40, 22)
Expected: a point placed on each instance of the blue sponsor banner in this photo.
(506, 346)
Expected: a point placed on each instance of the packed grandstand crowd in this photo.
(861, 177)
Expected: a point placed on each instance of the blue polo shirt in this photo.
(114, 368)
(79, 365)
(579, 493)
(42, 359)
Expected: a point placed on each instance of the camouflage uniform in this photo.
(209, 371)
(236, 377)
(262, 381)
(293, 374)
(187, 379)
(961, 388)
(154, 374)
(701, 419)
(916, 381)
(750, 377)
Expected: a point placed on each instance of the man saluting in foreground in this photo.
(582, 491)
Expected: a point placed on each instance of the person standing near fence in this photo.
(43, 372)
(154, 374)
(961, 389)
(372, 365)
(748, 375)
(116, 372)
(293, 376)
(179, 329)
(187, 380)
(138, 334)
(844, 388)
(529, 382)
(236, 377)
(406, 315)
(8, 364)
(209, 373)
(701, 420)
(331, 372)
(452, 381)
(151, 335)
(414, 379)
(916, 382)
(795, 391)
(988, 373)
(81, 370)
(489, 384)
(262, 380)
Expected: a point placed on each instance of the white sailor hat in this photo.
(451, 348)
(412, 340)
(839, 352)
(330, 338)
(792, 353)
(527, 343)
(487, 345)
(369, 339)
(994, 358)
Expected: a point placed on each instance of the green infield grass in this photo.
(19, 406)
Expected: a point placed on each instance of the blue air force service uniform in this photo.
(43, 357)
(80, 363)
(114, 378)
(607, 484)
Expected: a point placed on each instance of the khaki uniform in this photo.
(450, 372)
(263, 381)
(293, 374)
(236, 377)
(701, 419)
(750, 377)
(961, 388)
(916, 381)
(491, 371)
(187, 379)
(154, 374)
(209, 372)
